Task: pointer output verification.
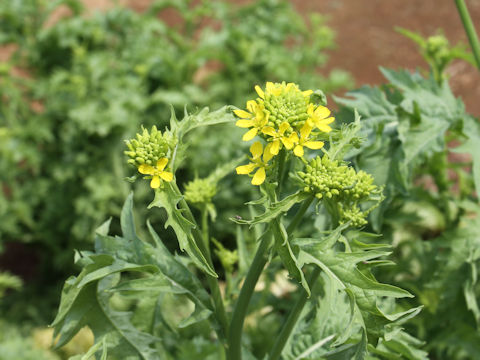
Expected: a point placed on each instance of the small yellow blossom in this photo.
(256, 162)
(156, 172)
(256, 119)
(319, 118)
(305, 142)
(279, 137)
(277, 89)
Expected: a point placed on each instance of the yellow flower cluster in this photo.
(148, 152)
(283, 116)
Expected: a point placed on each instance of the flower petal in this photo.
(324, 128)
(307, 93)
(259, 177)
(256, 149)
(146, 169)
(267, 154)
(275, 148)
(288, 142)
(314, 145)
(293, 137)
(244, 123)
(245, 169)
(242, 114)
(310, 109)
(305, 131)
(268, 130)
(298, 151)
(161, 163)
(250, 134)
(322, 112)
(259, 91)
(283, 127)
(155, 183)
(166, 175)
(252, 106)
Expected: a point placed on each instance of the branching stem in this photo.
(259, 261)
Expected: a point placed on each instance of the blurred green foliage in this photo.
(413, 128)
(91, 80)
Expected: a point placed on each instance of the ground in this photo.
(366, 37)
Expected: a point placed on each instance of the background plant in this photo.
(340, 310)
(94, 79)
(414, 127)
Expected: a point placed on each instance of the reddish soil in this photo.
(366, 38)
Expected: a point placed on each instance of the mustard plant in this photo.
(214, 299)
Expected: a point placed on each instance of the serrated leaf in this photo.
(204, 117)
(283, 249)
(178, 273)
(168, 199)
(363, 290)
(472, 147)
(276, 209)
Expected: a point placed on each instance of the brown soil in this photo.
(366, 38)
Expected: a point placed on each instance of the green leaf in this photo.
(283, 249)
(472, 147)
(178, 273)
(276, 209)
(203, 118)
(89, 306)
(168, 199)
(364, 291)
(425, 137)
(91, 352)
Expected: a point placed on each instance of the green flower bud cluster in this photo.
(289, 106)
(228, 258)
(353, 214)
(149, 147)
(327, 178)
(200, 191)
(331, 179)
(437, 47)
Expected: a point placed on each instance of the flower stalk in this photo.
(469, 29)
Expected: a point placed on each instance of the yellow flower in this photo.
(319, 118)
(279, 138)
(156, 172)
(256, 162)
(305, 142)
(277, 89)
(256, 119)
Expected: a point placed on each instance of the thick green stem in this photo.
(234, 351)
(292, 318)
(241, 307)
(469, 29)
(220, 313)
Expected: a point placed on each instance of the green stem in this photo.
(281, 169)
(205, 232)
(241, 307)
(292, 318)
(234, 351)
(469, 29)
(220, 313)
